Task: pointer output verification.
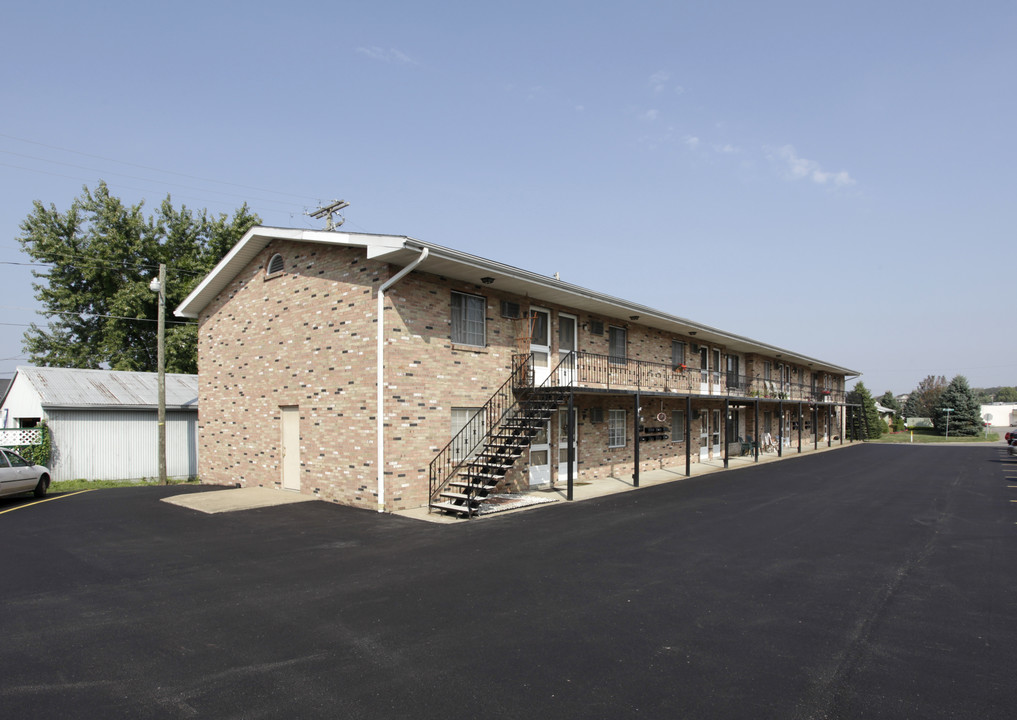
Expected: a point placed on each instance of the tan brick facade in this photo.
(306, 338)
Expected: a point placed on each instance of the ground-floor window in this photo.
(616, 428)
(466, 443)
(678, 426)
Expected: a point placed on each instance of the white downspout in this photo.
(380, 413)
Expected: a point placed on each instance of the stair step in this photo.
(452, 508)
(466, 485)
(466, 498)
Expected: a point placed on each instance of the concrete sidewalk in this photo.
(610, 485)
(233, 499)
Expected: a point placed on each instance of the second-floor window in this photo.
(468, 319)
(732, 370)
(677, 354)
(617, 338)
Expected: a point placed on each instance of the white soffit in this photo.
(453, 264)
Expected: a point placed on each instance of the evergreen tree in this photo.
(873, 424)
(103, 255)
(925, 398)
(888, 401)
(966, 417)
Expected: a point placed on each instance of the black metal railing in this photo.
(465, 444)
(607, 372)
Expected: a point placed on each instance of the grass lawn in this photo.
(76, 485)
(928, 435)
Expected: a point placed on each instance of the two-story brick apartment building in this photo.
(385, 372)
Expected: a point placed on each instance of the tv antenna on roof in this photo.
(330, 210)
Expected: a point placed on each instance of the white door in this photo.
(540, 457)
(704, 435)
(563, 444)
(567, 342)
(540, 344)
(715, 444)
(290, 448)
(715, 372)
(704, 371)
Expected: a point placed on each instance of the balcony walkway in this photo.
(600, 487)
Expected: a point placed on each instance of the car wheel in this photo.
(42, 487)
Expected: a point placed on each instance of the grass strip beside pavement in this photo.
(74, 485)
(929, 435)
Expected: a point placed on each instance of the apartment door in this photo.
(704, 370)
(715, 371)
(704, 435)
(540, 457)
(540, 344)
(567, 343)
(715, 437)
(290, 447)
(563, 444)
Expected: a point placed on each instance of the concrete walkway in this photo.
(611, 485)
(233, 499)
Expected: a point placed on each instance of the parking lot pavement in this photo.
(876, 582)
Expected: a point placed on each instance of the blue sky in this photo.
(833, 178)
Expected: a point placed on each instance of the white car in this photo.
(17, 475)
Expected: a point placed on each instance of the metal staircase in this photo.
(470, 467)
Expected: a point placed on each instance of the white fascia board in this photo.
(255, 240)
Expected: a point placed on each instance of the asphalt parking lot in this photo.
(873, 582)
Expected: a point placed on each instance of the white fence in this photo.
(12, 437)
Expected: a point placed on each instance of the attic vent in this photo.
(596, 327)
(510, 310)
(276, 265)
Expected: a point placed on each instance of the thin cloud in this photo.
(391, 55)
(650, 115)
(691, 141)
(799, 168)
(658, 81)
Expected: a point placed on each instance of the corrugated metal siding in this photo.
(121, 445)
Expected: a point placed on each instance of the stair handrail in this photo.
(502, 404)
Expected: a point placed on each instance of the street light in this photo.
(948, 411)
(158, 285)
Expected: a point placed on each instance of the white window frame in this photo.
(617, 424)
(465, 330)
(460, 417)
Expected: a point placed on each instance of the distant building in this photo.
(104, 423)
(1000, 414)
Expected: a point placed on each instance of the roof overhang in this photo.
(456, 265)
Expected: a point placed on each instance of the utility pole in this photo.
(330, 210)
(159, 286)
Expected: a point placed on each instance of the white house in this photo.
(104, 423)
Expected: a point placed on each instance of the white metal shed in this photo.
(104, 423)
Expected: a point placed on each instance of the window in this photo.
(616, 428)
(617, 338)
(678, 426)
(677, 354)
(468, 319)
(275, 265)
(732, 371)
(467, 442)
(767, 421)
(767, 369)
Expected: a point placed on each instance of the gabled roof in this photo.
(401, 250)
(63, 388)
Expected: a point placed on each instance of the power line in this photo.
(89, 315)
(148, 167)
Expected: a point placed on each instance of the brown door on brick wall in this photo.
(290, 447)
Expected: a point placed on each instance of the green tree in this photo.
(887, 400)
(1007, 394)
(966, 415)
(859, 395)
(103, 255)
(925, 398)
